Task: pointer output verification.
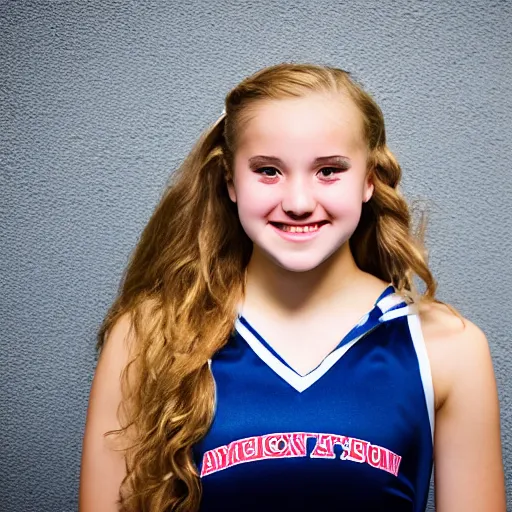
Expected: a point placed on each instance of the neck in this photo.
(272, 287)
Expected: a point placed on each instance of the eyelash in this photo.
(337, 170)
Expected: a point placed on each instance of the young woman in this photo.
(268, 349)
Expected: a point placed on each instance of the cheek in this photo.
(347, 211)
(255, 201)
(346, 201)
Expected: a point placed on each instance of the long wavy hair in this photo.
(186, 277)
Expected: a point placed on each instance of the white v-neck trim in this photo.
(294, 379)
(303, 382)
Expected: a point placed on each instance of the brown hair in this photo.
(186, 277)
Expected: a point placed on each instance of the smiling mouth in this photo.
(306, 228)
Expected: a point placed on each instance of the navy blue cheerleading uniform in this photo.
(354, 434)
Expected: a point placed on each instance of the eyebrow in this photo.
(332, 159)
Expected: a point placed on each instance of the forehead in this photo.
(317, 122)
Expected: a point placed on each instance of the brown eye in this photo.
(328, 172)
(269, 172)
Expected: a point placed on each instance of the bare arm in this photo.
(468, 460)
(103, 468)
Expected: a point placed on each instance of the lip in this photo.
(299, 237)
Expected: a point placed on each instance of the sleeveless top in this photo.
(354, 434)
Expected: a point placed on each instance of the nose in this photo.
(298, 197)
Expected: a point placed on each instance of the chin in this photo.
(298, 264)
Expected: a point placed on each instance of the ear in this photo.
(368, 188)
(231, 190)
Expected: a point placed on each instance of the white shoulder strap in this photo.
(424, 364)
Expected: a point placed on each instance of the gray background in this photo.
(100, 101)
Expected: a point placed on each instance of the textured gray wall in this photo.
(100, 102)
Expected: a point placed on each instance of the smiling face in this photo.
(300, 178)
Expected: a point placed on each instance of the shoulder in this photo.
(118, 343)
(457, 348)
(117, 351)
(468, 474)
(103, 465)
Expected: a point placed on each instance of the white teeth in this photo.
(299, 229)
